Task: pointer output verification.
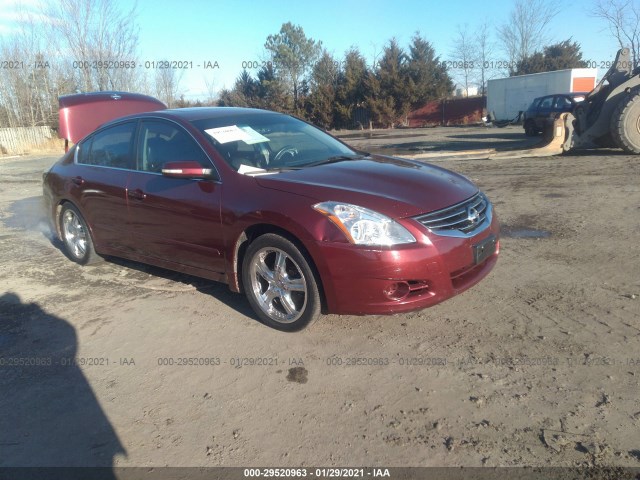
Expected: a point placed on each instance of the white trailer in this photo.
(508, 96)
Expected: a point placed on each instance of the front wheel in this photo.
(530, 129)
(75, 236)
(625, 123)
(279, 283)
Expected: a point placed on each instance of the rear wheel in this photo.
(625, 123)
(76, 237)
(279, 283)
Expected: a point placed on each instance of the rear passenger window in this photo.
(109, 148)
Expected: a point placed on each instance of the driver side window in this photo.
(546, 103)
(161, 142)
(562, 103)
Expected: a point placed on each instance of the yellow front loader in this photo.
(608, 117)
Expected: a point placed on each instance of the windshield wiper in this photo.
(252, 171)
(282, 169)
(335, 159)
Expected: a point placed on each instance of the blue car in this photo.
(548, 107)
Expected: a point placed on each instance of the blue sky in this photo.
(231, 32)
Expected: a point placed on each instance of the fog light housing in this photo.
(397, 291)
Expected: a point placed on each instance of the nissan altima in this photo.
(298, 221)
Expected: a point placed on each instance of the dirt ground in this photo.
(539, 364)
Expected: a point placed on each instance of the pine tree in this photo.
(293, 56)
(352, 86)
(430, 77)
(559, 56)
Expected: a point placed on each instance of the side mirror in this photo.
(186, 169)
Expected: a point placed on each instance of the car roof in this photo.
(570, 94)
(199, 113)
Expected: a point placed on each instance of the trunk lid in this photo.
(80, 114)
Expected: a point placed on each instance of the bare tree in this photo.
(62, 47)
(210, 85)
(103, 39)
(483, 63)
(623, 19)
(464, 57)
(31, 83)
(526, 30)
(167, 85)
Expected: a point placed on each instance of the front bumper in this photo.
(365, 280)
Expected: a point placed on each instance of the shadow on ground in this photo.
(50, 415)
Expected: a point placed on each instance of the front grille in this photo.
(464, 217)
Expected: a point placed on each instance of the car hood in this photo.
(393, 186)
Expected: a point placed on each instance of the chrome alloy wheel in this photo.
(279, 285)
(74, 234)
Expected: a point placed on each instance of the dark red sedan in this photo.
(272, 206)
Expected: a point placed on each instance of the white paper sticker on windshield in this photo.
(233, 133)
(255, 137)
(228, 134)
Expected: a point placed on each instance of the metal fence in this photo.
(22, 139)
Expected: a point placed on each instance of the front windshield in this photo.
(269, 141)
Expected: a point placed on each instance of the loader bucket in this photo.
(553, 143)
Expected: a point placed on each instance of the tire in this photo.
(76, 237)
(279, 283)
(613, 122)
(625, 124)
(530, 129)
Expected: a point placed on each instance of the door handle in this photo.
(78, 180)
(136, 194)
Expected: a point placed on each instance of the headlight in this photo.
(363, 226)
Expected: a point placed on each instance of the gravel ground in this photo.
(538, 365)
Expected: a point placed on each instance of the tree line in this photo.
(90, 45)
(303, 78)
